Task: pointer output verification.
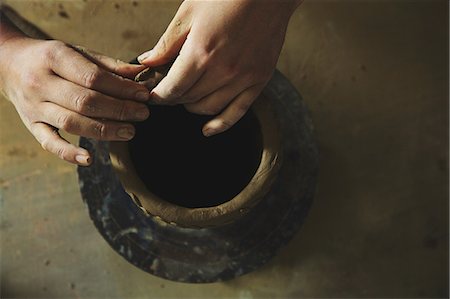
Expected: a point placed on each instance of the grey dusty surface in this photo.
(375, 76)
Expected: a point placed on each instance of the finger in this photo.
(80, 125)
(116, 66)
(169, 45)
(209, 82)
(183, 74)
(215, 102)
(71, 65)
(52, 142)
(92, 103)
(150, 77)
(233, 113)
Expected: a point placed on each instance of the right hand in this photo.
(54, 86)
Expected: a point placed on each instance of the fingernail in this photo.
(144, 56)
(125, 133)
(82, 159)
(142, 114)
(208, 132)
(143, 95)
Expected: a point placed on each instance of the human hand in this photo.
(225, 53)
(55, 86)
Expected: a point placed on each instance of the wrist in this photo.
(8, 33)
(10, 46)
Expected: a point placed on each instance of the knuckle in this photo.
(213, 110)
(52, 49)
(48, 52)
(122, 111)
(230, 70)
(45, 144)
(203, 56)
(100, 130)
(162, 48)
(65, 122)
(91, 77)
(83, 102)
(62, 153)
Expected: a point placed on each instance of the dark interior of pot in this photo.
(178, 164)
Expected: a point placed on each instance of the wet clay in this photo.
(180, 165)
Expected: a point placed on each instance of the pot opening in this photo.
(178, 164)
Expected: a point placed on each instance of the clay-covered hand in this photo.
(225, 52)
(55, 86)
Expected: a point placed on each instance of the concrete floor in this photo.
(375, 76)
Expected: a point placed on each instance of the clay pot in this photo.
(175, 174)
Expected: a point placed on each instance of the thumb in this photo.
(168, 46)
(116, 66)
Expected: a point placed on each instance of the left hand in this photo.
(225, 53)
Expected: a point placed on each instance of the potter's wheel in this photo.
(216, 253)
